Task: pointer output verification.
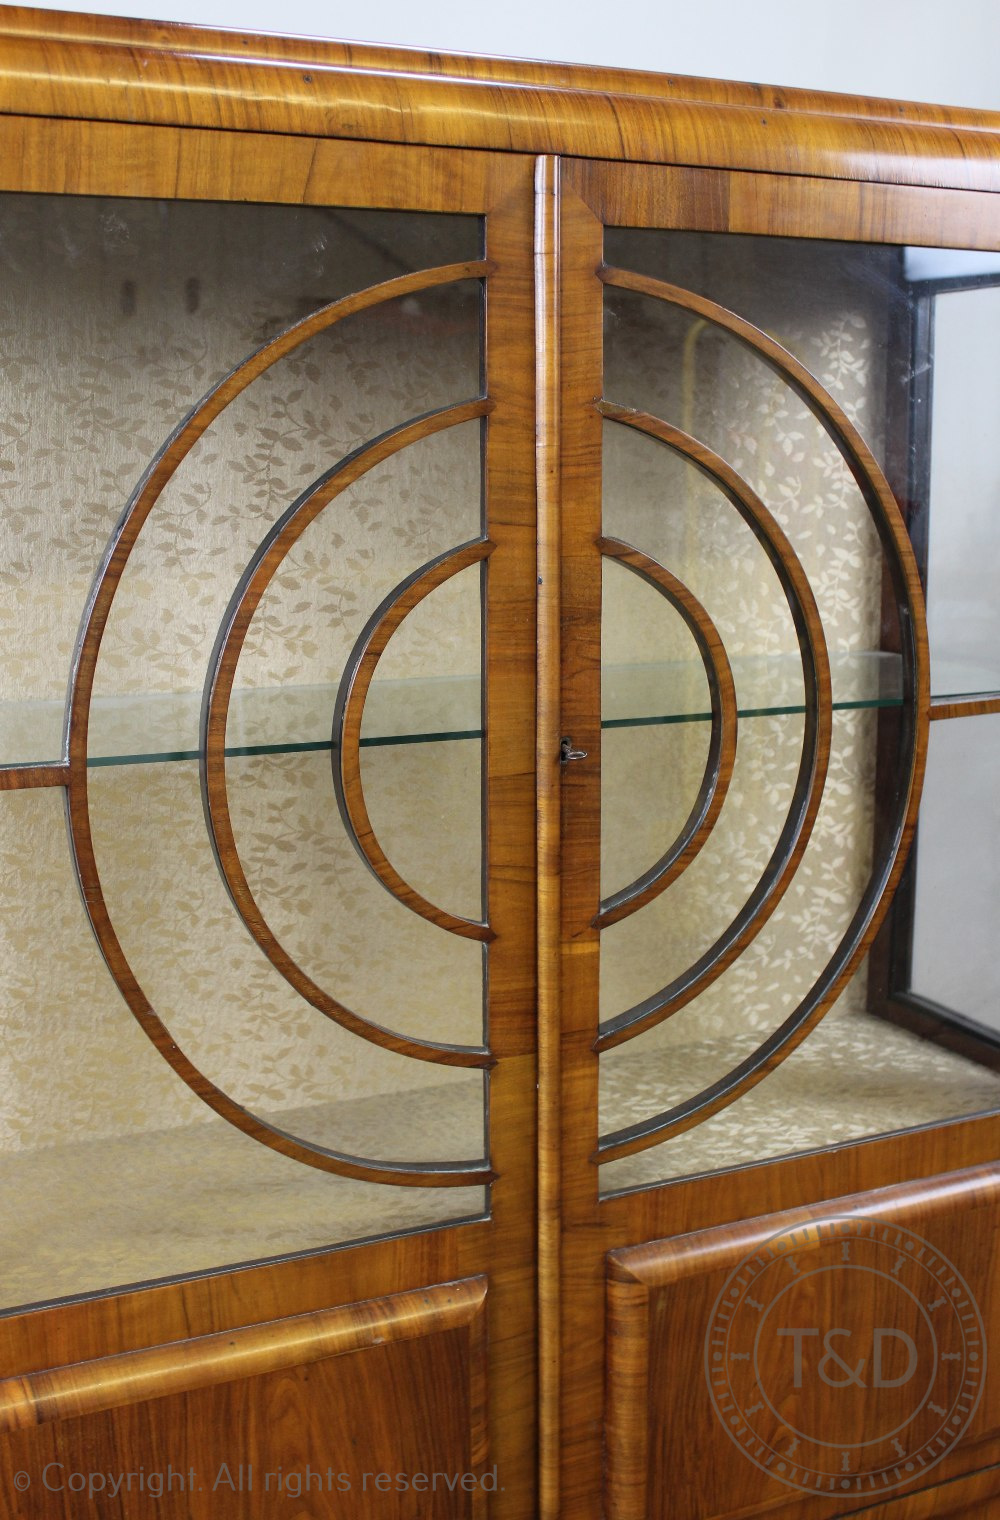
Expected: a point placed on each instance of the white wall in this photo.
(941, 50)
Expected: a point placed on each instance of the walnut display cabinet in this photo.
(493, 556)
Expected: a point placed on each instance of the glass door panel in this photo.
(756, 391)
(245, 446)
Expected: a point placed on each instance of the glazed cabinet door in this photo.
(268, 826)
(773, 1276)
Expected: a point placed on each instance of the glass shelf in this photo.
(766, 686)
(157, 727)
(769, 686)
(143, 729)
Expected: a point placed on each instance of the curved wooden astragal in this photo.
(721, 755)
(558, 1335)
(347, 718)
(215, 707)
(809, 781)
(98, 609)
(915, 718)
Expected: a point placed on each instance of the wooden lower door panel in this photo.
(818, 1362)
(371, 1408)
(973, 1498)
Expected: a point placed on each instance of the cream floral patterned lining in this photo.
(117, 316)
(854, 1076)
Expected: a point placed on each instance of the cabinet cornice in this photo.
(135, 71)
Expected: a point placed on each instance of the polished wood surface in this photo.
(577, 1459)
(971, 707)
(811, 777)
(57, 157)
(172, 36)
(669, 1452)
(178, 76)
(509, 522)
(303, 1410)
(548, 741)
(14, 777)
(975, 1498)
(115, 107)
(222, 675)
(219, 679)
(721, 756)
(96, 158)
(700, 200)
(349, 714)
(795, 205)
(62, 1393)
(904, 579)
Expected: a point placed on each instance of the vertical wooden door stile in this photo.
(509, 669)
(549, 780)
(582, 1259)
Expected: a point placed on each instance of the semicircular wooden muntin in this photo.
(858, 457)
(915, 716)
(345, 750)
(817, 729)
(778, 1046)
(218, 688)
(150, 487)
(721, 755)
(76, 730)
(344, 1164)
(181, 441)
